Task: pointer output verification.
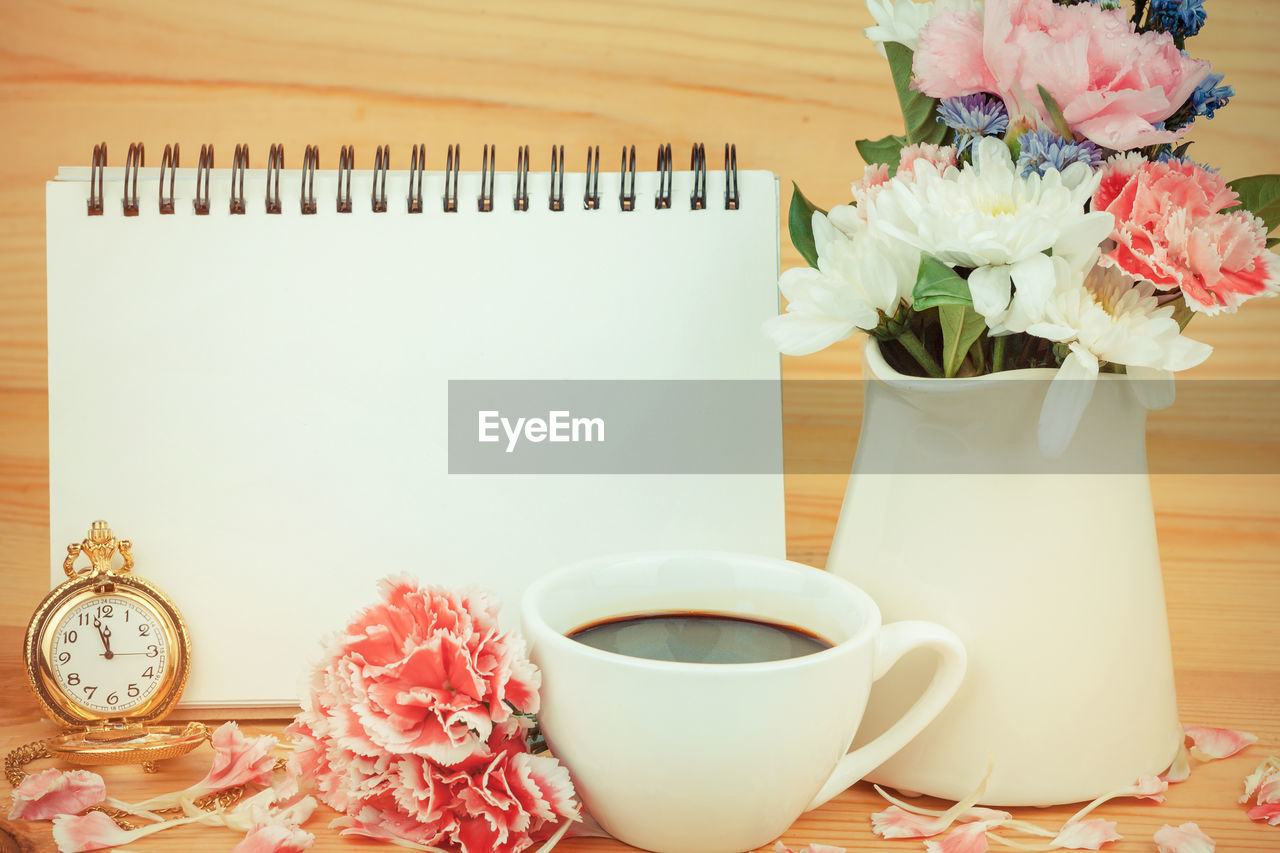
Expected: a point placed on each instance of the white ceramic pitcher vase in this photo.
(1047, 569)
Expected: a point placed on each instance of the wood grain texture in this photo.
(793, 84)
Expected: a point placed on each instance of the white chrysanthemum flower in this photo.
(860, 276)
(988, 217)
(1110, 317)
(902, 20)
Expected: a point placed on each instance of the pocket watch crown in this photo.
(99, 532)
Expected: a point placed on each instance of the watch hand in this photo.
(105, 633)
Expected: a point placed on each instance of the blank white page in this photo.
(259, 401)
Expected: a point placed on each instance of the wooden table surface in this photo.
(791, 83)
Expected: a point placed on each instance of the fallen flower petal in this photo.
(274, 838)
(1208, 742)
(1180, 769)
(1144, 788)
(896, 822)
(1264, 781)
(1087, 834)
(938, 821)
(1187, 838)
(42, 796)
(1268, 813)
(239, 760)
(966, 838)
(94, 831)
(812, 848)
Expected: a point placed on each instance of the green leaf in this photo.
(1182, 312)
(1272, 241)
(1055, 114)
(800, 223)
(961, 326)
(938, 284)
(919, 113)
(1260, 195)
(886, 151)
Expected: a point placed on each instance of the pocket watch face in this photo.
(109, 654)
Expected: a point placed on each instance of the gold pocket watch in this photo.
(107, 656)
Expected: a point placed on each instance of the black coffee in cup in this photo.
(696, 637)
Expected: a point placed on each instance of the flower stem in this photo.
(912, 345)
(997, 354)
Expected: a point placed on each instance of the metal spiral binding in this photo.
(417, 165)
(591, 195)
(95, 178)
(239, 164)
(169, 163)
(134, 161)
(662, 201)
(698, 165)
(521, 199)
(484, 202)
(555, 200)
(346, 164)
(730, 177)
(203, 168)
(378, 195)
(453, 165)
(275, 165)
(627, 191)
(307, 195)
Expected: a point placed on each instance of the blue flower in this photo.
(972, 117)
(1179, 18)
(1043, 150)
(1209, 96)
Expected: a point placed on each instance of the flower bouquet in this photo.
(1032, 248)
(1040, 208)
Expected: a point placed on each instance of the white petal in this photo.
(1153, 388)
(991, 288)
(1035, 279)
(802, 333)
(1065, 401)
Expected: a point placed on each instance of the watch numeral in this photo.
(113, 698)
(144, 629)
(149, 672)
(126, 614)
(63, 657)
(84, 619)
(105, 611)
(88, 690)
(73, 678)
(69, 636)
(134, 692)
(152, 651)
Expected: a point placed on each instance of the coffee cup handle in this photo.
(894, 641)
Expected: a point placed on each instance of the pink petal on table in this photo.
(1150, 788)
(1263, 781)
(239, 760)
(1265, 813)
(1187, 838)
(895, 822)
(812, 848)
(965, 838)
(1180, 769)
(1087, 834)
(1208, 742)
(94, 831)
(52, 792)
(274, 838)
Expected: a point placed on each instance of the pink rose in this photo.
(1114, 85)
(44, 795)
(1171, 231)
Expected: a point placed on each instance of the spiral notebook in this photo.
(249, 373)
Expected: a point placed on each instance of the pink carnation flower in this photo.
(1171, 231)
(410, 727)
(52, 792)
(1114, 85)
(941, 156)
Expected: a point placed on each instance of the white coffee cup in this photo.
(718, 758)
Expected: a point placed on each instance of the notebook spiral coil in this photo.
(414, 201)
